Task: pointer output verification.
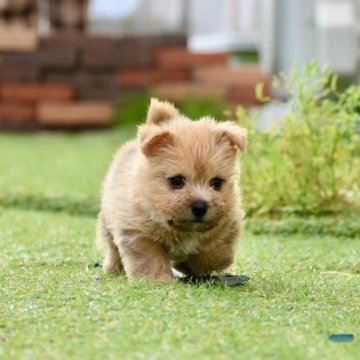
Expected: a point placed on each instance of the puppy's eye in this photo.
(177, 182)
(216, 183)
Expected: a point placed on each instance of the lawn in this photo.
(56, 304)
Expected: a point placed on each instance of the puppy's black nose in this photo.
(199, 208)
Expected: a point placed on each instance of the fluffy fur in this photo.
(146, 226)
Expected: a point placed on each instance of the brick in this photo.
(180, 57)
(19, 59)
(89, 113)
(62, 41)
(98, 42)
(60, 51)
(244, 99)
(75, 40)
(139, 51)
(228, 76)
(105, 53)
(87, 85)
(44, 58)
(15, 73)
(134, 52)
(18, 39)
(245, 95)
(100, 53)
(94, 52)
(10, 111)
(181, 90)
(104, 60)
(145, 77)
(97, 85)
(60, 76)
(65, 59)
(157, 41)
(18, 125)
(33, 93)
(248, 90)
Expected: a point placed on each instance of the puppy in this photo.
(171, 198)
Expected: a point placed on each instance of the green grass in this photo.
(64, 165)
(57, 305)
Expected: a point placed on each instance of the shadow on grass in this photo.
(79, 207)
(346, 225)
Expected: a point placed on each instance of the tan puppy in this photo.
(171, 198)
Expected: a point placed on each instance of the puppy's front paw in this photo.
(113, 266)
(144, 259)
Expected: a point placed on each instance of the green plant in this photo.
(309, 161)
(132, 108)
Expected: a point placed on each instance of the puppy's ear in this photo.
(233, 134)
(161, 111)
(153, 138)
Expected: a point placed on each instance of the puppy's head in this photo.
(190, 173)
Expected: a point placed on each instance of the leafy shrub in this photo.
(309, 161)
(132, 108)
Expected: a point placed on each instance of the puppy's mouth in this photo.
(197, 225)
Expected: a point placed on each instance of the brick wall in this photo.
(71, 80)
(71, 75)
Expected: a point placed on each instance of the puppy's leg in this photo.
(112, 262)
(144, 258)
(205, 262)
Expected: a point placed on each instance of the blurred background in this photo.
(75, 57)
